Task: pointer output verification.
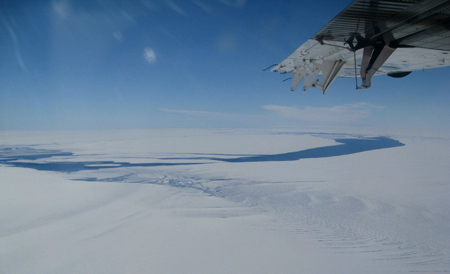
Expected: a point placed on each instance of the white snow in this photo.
(171, 201)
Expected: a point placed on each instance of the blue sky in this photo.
(194, 63)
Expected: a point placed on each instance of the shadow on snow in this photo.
(16, 156)
(346, 146)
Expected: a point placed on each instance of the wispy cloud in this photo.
(176, 8)
(203, 6)
(210, 115)
(229, 119)
(15, 40)
(339, 114)
(342, 114)
(234, 3)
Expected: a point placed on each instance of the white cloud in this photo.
(150, 55)
(227, 43)
(61, 8)
(118, 36)
(339, 114)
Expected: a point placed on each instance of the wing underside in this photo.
(371, 38)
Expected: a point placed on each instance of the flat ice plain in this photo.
(223, 201)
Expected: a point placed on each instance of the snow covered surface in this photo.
(223, 201)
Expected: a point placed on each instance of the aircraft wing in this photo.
(373, 37)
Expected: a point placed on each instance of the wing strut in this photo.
(356, 74)
(373, 58)
(330, 70)
(374, 55)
